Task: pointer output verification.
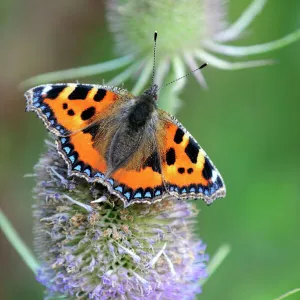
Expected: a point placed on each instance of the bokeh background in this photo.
(248, 121)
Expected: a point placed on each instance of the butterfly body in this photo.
(141, 153)
(136, 124)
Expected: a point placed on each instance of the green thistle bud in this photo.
(191, 32)
(180, 23)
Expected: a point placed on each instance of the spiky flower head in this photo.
(100, 250)
(181, 24)
(191, 32)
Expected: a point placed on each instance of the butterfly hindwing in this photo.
(187, 170)
(139, 180)
(68, 107)
(82, 158)
(138, 186)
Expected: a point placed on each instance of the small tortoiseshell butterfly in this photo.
(141, 153)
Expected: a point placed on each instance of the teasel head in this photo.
(191, 32)
(90, 247)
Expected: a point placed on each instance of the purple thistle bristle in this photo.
(105, 251)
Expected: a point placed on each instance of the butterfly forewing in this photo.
(187, 170)
(68, 107)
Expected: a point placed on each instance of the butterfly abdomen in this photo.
(122, 146)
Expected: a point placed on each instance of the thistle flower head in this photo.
(101, 250)
(191, 32)
(182, 24)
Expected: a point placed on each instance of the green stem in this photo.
(17, 243)
(75, 73)
(288, 294)
(217, 260)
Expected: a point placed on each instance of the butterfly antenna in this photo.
(201, 67)
(154, 56)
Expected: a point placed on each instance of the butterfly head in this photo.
(152, 92)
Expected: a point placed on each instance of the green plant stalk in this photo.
(17, 243)
(288, 294)
(217, 260)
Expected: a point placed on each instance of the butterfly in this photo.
(139, 152)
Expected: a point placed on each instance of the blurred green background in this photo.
(248, 122)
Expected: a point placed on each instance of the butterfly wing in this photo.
(84, 119)
(139, 180)
(69, 107)
(143, 184)
(187, 170)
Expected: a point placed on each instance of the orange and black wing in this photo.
(84, 119)
(186, 169)
(67, 108)
(138, 181)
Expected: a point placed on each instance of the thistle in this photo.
(191, 33)
(91, 247)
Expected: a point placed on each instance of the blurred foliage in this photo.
(248, 122)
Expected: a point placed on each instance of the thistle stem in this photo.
(217, 260)
(17, 243)
(288, 294)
